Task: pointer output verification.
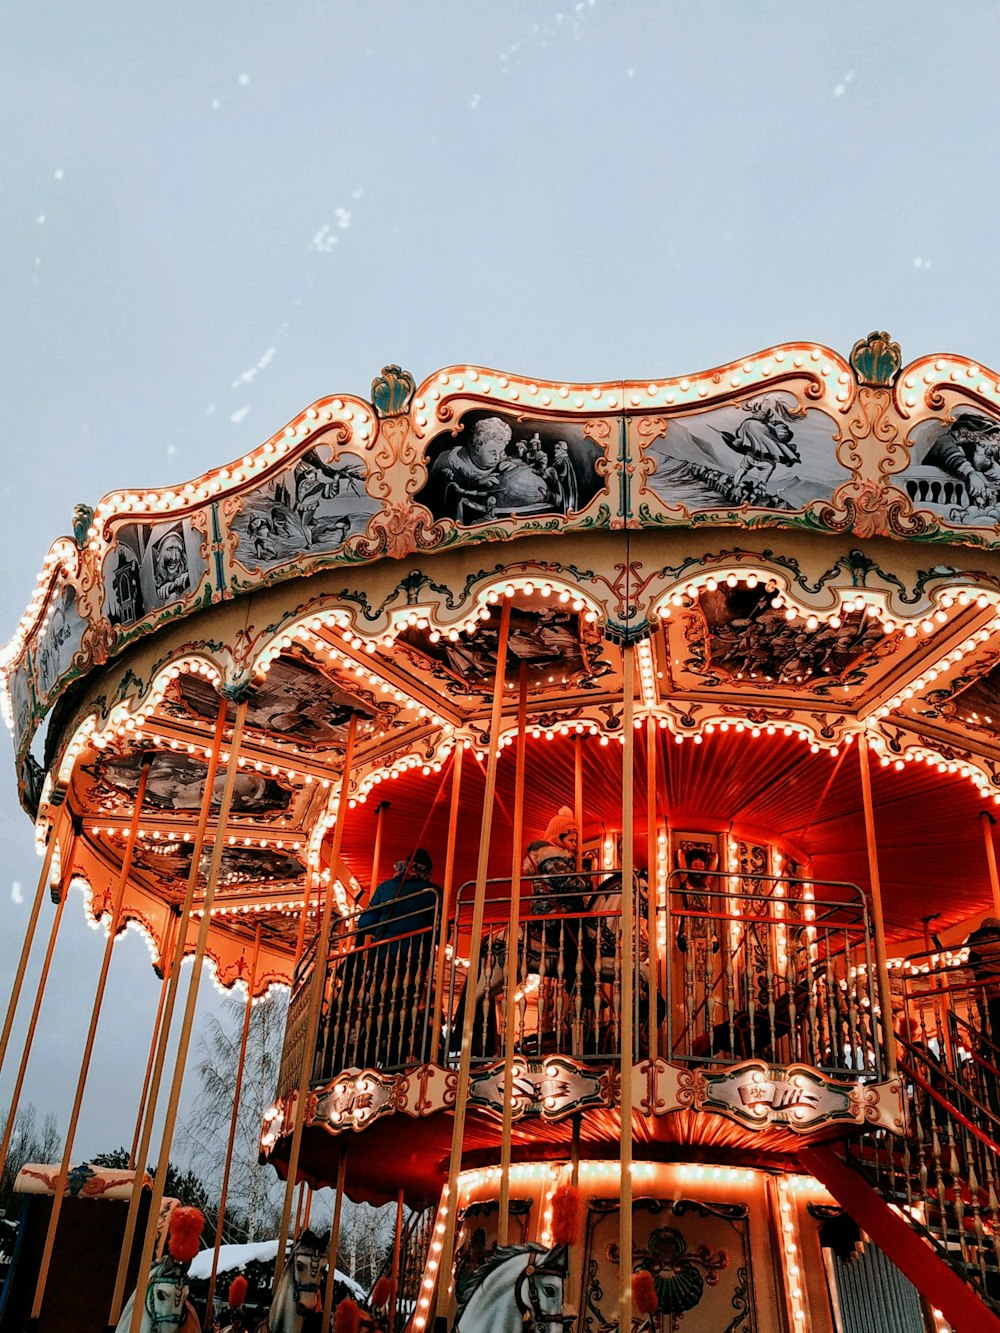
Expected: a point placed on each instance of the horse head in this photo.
(165, 1306)
(519, 1287)
(306, 1271)
(539, 1293)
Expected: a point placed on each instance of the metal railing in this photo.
(377, 999)
(567, 967)
(944, 1175)
(726, 969)
(768, 967)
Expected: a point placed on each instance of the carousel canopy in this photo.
(801, 549)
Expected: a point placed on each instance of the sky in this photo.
(212, 213)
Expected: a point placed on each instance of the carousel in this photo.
(610, 773)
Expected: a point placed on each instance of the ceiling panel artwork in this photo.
(558, 648)
(739, 634)
(298, 703)
(176, 782)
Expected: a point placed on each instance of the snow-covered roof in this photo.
(233, 1257)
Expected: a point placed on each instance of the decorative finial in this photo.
(876, 360)
(392, 391)
(83, 517)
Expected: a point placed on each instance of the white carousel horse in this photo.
(299, 1291)
(518, 1290)
(165, 1307)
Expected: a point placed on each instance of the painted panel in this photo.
(151, 566)
(493, 467)
(767, 452)
(954, 469)
(58, 641)
(311, 507)
(177, 782)
(698, 1255)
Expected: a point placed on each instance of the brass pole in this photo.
(300, 942)
(29, 938)
(88, 1048)
(447, 899)
(578, 798)
(184, 1040)
(334, 1241)
(885, 995)
(396, 1257)
(30, 1034)
(233, 1120)
(628, 976)
(513, 954)
(318, 986)
(180, 939)
(475, 941)
(991, 858)
(154, 1039)
(652, 946)
(380, 810)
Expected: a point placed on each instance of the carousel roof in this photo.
(802, 549)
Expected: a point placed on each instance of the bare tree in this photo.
(28, 1143)
(254, 1204)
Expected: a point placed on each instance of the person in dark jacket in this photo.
(396, 932)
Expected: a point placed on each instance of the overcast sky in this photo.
(214, 212)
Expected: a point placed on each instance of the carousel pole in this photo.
(184, 1040)
(29, 938)
(513, 954)
(154, 1041)
(652, 946)
(233, 1119)
(628, 971)
(331, 1276)
(397, 1246)
(116, 913)
(180, 938)
(885, 995)
(991, 858)
(578, 798)
(318, 986)
(447, 896)
(380, 810)
(30, 1034)
(475, 941)
(300, 942)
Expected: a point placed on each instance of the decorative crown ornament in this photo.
(83, 517)
(876, 360)
(392, 391)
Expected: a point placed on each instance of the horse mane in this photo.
(309, 1240)
(471, 1282)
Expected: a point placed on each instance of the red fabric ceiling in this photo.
(931, 853)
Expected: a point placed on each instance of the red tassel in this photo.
(347, 1316)
(381, 1293)
(184, 1233)
(237, 1291)
(644, 1296)
(566, 1215)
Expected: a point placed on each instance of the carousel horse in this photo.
(518, 1290)
(299, 1291)
(165, 1307)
